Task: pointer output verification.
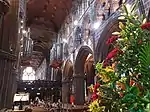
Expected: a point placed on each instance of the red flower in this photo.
(132, 82)
(146, 25)
(105, 63)
(97, 85)
(139, 86)
(112, 54)
(121, 94)
(111, 40)
(94, 96)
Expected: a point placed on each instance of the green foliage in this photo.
(147, 108)
(145, 64)
(127, 87)
(99, 67)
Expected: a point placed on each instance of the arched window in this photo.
(28, 74)
(78, 37)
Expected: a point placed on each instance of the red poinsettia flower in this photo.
(146, 26)
(111, 39)
(94, 96)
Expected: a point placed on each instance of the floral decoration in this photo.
(123, 83)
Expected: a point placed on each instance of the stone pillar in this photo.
(12, 88)
(6, 82)
(6, 62)
(66, 92)
(8, 46)
(3, 83)
(78, 89)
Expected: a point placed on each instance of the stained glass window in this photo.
(28, 74)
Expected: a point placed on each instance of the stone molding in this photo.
(7, 55)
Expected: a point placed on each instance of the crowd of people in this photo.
(47, 105)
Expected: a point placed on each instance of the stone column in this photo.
(66, 92)
(6, 62)
(14, 89)
(11, 90)
(3, 83)
(6, 84)
(8, 39)
(78, 89)
(8, 91)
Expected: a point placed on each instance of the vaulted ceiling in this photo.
(45, 17)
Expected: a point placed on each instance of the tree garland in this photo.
(124, 76)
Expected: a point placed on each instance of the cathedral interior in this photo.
(49, 48)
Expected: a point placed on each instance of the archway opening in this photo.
(89, 71)
(67, 82)
(57, 90)
(84, 75)
(102, 48)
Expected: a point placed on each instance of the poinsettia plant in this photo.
(123, 83)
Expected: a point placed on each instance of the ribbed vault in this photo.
(44, 18)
